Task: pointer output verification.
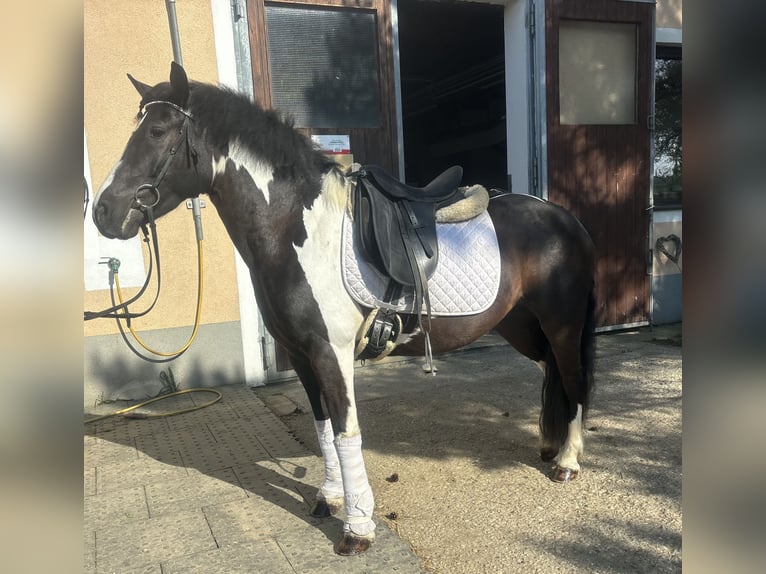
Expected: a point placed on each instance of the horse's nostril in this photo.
(99, 214)
(98, 209)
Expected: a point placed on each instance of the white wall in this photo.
(517, 94)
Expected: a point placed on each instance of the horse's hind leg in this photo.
(566, 390)
(561, 417)
(522, 330)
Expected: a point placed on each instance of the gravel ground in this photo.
(453, 460)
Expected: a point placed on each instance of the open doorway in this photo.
(453, 90)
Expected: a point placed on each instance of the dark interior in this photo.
(453, 90)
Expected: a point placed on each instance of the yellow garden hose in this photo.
(196, 318)
(155, 399)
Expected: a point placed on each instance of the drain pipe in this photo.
(175, 40)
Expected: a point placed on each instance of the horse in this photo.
(282, 202)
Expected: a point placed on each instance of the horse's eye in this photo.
(156, 132)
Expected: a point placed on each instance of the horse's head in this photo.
(159, 167)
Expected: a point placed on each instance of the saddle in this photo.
(396, 223)
(396, 228)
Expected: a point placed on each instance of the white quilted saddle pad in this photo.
(465, 281)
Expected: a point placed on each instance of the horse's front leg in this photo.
(345, 486)
(340, 441)
(359, 503)
(329, 497)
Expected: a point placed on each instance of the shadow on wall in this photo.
(113, 372)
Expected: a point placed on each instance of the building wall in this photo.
(133, 37)
(517, 96)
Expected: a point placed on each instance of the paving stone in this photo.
(148, 542)
(100, 451)
(260, 556)
(310, 550)
(89, 481)
(280, 404)
(123, 430)
(221, 410)
(89, 552)
(148, 569)
(194, 492)
(237, 522)
(246, 403)
(114, 508)
(161, 446)
(129, 473)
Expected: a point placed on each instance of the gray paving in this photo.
(227, 488)
(223, 489)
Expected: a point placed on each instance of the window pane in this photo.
(324, 65)
(667, 128)
(597, 73)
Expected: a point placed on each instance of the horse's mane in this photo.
(226, 116)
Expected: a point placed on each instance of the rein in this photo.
(113, 312)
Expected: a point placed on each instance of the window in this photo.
(597, 73)
(324, 65)
(667, 127)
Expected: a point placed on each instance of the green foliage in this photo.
(668, 163)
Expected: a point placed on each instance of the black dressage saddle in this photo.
(396, 223)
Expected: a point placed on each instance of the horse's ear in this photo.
(140, 86)
(179, 85)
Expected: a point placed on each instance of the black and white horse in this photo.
(283, 204)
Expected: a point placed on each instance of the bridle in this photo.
(191, 158)
(146, 204)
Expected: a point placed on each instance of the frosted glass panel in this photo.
(597, 73)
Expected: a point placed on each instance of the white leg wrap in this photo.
(332, 487)
(359, 502)
(573, 446)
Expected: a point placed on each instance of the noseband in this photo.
(147, 195)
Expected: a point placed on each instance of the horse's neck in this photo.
(291, 248)
(266, 215)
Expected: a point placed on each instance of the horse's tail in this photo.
(556, 414)
(588, 350)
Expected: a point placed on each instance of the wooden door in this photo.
(329, 65)
(599, 57)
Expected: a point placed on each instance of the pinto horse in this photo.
(283, 202)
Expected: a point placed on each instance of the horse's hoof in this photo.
(352, 544)
(564, 474)
(548, 453)
(324, 508)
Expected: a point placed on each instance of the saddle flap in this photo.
(396, 235)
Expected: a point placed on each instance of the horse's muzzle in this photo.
(113, 228)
